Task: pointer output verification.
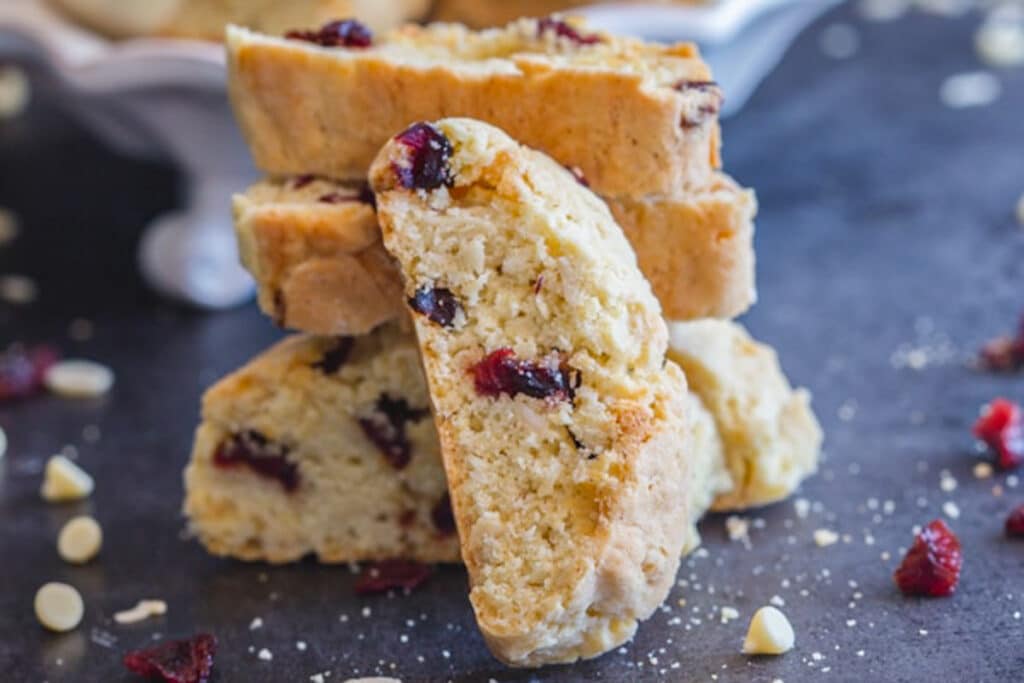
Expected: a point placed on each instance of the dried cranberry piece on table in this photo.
(428, 152)
(931, 568)
(1004, 354)
(381, 577)
(343, 33)
(443, 517)
(439, 305)
(261, 455)
(1001, 429)
(1015, 523)
(22, 369)
(565, 30)
(500, 372)
(385, 427)
(175, 661)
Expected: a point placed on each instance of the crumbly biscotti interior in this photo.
(308, 408)
(561, 501)
(771, 436)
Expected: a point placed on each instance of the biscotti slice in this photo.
(636, 118)
(314, 248)
(771, 437)
(562, 426)
(315, 251)
(206, 19)
(322, 446)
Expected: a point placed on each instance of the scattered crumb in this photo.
(3, 442)
(18, 289)
(770, 633)
(951, 510)
(1020, 210)
(970, 89)
(15, 92)
(777, 601)
(947, 482)
(737, 528)
(79, 379)
(300, 645)
(825, 537)
(265, 655)
(65, 481)
(1000, 40)
(80, 540)
(256, 623)
(729, 614)
(802, 506)
(59, 607)
(8, 226)
(142, 611)
(839, 41)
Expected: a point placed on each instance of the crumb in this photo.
(3, 442)
(142, 611)
(951, 510)
(1000, 39)
(265, 655)
(971, 89)
(839, 41)
(729, 614)
(738, 528)
(80, 330)
(947, 482)
(825, 537)
(777, 601)
(982, 470)
(8, 226)
(18, 289)
(883, 10)
(15, 92)
(255, 624)
(300, 645)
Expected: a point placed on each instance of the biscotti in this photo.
(562, 425)
(322, 446)
(316, 407)
(636, 118)
(771, 437)
(206, 19)
(314, 249)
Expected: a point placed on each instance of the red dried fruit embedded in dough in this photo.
(563, 29)
(439, 305)
(385, 427)
(343, 33)
(264, 457)
(500, 372)
(425, 163)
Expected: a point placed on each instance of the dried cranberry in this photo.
(500, 372)
(386, 428)
(439, 305)
(366, 195)
(175, 661)
(425, 166)
(335, 198)
(563, 30)
(407, 518)
(931, 567)
(335, 357)
(1015, 523)
(577, 173)
(706, 110)
(443, 517)
(1004, 354)
(344, 33)
(1000, 428)
(22, 370)
(381, 577)
(258, 453)
(299, 182)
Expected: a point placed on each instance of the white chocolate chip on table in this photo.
(142, 611)
(63, 481)
(59, 607)
(80, 540)
(770, 633)
(79, 379)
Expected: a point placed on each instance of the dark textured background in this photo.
(886, 220)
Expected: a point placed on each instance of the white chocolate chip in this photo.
(18, 289)
(59, 607)
(770, 633)
(982, 470)
(79, 379)
(65, 481)
(142, 611)
(14, 92)
(825, 537)
(80, 540)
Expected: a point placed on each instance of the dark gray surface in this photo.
(886, 219)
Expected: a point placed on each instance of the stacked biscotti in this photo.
(485, 371)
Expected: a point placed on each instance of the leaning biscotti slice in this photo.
(771, 437)
(206, 19)
(322, 446)
(562, 426)
(314, 249)
(636, 118)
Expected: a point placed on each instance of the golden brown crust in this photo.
(612, 110)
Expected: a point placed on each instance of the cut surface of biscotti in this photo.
(206, 19)
(771, 437)
(314, 248)
(315, 251)
(636, 118)
(562, 426)
(322, 446)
